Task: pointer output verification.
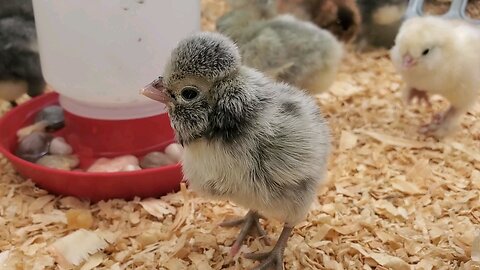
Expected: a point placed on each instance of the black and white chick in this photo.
(262, 144)
(20, 70)
(281, 46)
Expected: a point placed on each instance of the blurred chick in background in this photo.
(340, 17)
(20, 70)
(283, 47)
(380, 22)
(439, 56)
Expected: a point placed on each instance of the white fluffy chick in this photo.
(439, 56)
(261, 144)
(283, 47)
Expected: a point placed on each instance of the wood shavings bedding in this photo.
(394, 199)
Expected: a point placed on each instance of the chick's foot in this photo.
(421, 96)
(441, 123)
(274, 258)
(250, 223)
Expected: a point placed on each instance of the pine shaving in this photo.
(391, 140)
(348, 140)
(4, 257)
(93, 261)
(473, 153)
(76, 247)
(392, 262)
(476, 249)
(158, 208)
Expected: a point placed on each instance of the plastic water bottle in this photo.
(98, 54)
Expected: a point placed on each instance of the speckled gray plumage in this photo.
(259, 143)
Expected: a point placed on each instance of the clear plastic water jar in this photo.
(97, 54)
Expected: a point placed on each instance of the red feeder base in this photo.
(92, 139)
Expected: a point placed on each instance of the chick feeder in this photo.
(97, 55)
(456, 11)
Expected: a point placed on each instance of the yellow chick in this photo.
(439, 56)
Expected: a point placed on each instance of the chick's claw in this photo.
(270, 260)
(441, 123)
(274, 258)
(428, 128)
(250, 223)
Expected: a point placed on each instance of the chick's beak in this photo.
(408, 61)
(156, 91)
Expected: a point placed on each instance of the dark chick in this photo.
(340, 17)
(283, 47)
(20, 70)
(261, 144)
(380, 22)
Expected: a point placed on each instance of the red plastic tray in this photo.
(91, 139)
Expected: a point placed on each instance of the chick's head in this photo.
(422, 43)
(193, 81)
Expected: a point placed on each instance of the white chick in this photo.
(439, 56)
(283, 47)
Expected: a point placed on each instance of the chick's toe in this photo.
(274, 258)
(442, 123)
(250, 224)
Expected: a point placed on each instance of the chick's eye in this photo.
(425, 52)
(189, 93)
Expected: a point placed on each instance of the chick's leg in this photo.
(442, 123)
(421, 96)
(250, 222)
(274, 258)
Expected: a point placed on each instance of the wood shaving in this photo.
(79, 219)
(348, 140)
(394, 199)
(392, 140)
(158, 208)
(392, 262)
(4, 257)
(76, 247)
(476, 249)
(463, 148)
(92, 262)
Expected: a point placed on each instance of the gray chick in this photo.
(380, 22)
(20, 70)
(283, 47)
(259, 143)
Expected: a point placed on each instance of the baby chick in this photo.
(439, 56)
(20, 70)
(380, 22)
(341, 17)
(261, 144)
(283, 47)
